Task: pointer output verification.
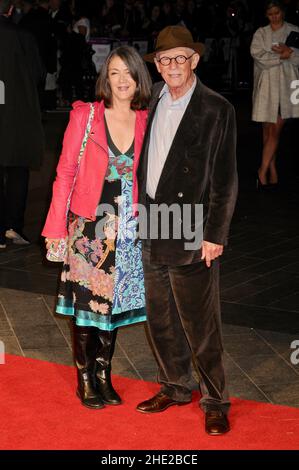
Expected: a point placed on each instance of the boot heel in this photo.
(85, 345)
(103, 367)
(94, 403)
(105, 388)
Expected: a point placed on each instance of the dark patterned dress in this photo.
(102, 278)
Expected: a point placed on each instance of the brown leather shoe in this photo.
(158, 403)
(216, 423)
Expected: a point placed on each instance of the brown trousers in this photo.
(183, 308)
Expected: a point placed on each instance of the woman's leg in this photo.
(105, 349)
(85, 349)
(271, 134)
(273, 177)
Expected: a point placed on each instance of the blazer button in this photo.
(185, 169)
(180, 194)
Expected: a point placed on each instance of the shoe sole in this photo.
(19, 242)
(16, 241)
(111, 404)
(105, 401)
(163, 409)
(217, 433)
(100, 407)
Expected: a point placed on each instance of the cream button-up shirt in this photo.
(165, 124)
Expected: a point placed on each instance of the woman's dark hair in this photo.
(274, 3)
(138, 72)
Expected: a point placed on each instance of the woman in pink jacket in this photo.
(102, 277)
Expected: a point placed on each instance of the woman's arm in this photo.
(294, 57)
(263, 57)
(56, 222)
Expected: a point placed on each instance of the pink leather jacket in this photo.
(90, 178)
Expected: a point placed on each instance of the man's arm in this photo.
(32, 55)
(223, 187)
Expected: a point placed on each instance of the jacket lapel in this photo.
(140, 125)
(144, 152)
(98, 132)
(187, 131)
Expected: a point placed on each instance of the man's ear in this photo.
(194, 61)
(157, 65)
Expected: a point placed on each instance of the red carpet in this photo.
(39, 410)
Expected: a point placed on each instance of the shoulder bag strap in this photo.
(83, 145)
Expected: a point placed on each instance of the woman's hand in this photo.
(283, 51)
(52, 242)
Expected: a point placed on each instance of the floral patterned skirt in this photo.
(102, 278)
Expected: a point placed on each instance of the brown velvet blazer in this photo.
(201, 165)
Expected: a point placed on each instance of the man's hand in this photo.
(210, 251)
(283, 51)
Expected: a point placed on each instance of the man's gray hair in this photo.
(5, 6)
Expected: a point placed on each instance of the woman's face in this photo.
(155, 12)
(122, 85)
(275, 15)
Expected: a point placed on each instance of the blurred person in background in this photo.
(17, 13)
(275, 67)
(21, 132)
(82, 21)
(167, 13)
(76, 58)
(38, 21)
(110, 20)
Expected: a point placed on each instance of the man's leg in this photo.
(2, 208)
(168, 339)
(196, 293)
(17, 180)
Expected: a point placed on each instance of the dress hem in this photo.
(70, 311)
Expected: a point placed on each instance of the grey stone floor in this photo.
(259, 284)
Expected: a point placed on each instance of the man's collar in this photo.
(165, 90)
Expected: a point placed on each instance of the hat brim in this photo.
(198, 47)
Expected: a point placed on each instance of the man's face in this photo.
(177, 75)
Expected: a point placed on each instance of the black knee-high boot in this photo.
(106, 345)
(85, 348)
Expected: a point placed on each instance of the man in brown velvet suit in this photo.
(188, 158)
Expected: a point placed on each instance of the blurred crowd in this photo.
(63, 29)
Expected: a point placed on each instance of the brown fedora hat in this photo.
(174, 36)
